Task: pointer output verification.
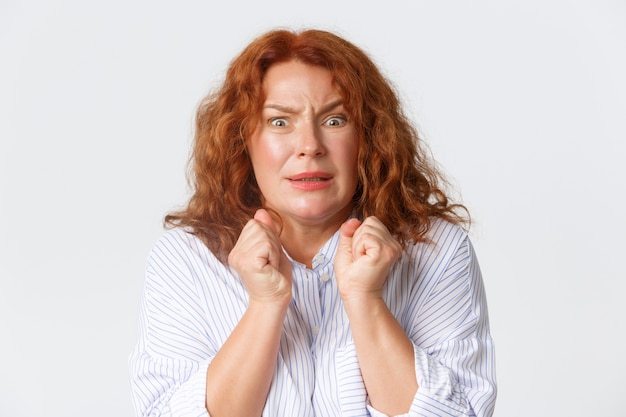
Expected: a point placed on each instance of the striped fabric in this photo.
(192, 302)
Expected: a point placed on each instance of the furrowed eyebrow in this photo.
(280, 108)
(289, 109)
(332, 105)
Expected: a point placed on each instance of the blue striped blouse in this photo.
(191, 303)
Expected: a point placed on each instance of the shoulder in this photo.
(446, 246)
(444, 264)
(179, 249)
(175, 241)
(442, 237)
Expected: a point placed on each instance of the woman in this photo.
(318, 269)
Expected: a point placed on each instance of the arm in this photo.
(385, 353)
(168, 364)
(448, 322)
(452, 355)
(239, 377)
(180, 331)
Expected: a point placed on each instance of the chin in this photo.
(319, 213)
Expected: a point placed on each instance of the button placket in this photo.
(318, 270)
(318, 260)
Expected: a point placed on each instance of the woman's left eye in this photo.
(278, 122)
(336, 121)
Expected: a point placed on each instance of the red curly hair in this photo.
(397, 181)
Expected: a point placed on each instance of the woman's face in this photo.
(304, 148)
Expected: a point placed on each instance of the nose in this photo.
(309, 141)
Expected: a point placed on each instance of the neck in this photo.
(303, 244)
(302, 241)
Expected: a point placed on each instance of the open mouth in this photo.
(310, 179)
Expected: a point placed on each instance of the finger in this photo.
(373, 225)
(265, 217)
(346, 234)
(373, 239)
(349, 228)
(363, 236)
(275, 253)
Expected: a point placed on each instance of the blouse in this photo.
(192, 302)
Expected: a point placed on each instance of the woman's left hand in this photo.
(365, 254)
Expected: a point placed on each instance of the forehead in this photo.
(295, 80)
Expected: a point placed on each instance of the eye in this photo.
(278, 122)
(336, 121)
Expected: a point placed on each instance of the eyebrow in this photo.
(289, 109)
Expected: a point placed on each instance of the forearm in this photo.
(239, 377)
(385, 354)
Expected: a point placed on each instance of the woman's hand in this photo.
(260, 261)
(364, 257)
(238, 372)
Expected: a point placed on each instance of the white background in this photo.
(523, 103)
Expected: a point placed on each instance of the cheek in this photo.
(347, 159)
(268, 147)
(267, 156)
(276, 150)
(349, 156)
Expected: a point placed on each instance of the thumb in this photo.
(344, 249)
(264, 217)
(348, 228)
(282, 262)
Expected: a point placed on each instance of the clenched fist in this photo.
(365, 254)
(260, 261)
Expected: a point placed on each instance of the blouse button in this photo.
(319, 258)
(324, 276)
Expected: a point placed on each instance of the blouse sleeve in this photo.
(453, 348)
(169, 363)
(454, 351)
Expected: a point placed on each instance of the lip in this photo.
(310, 181)
(323, 176)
